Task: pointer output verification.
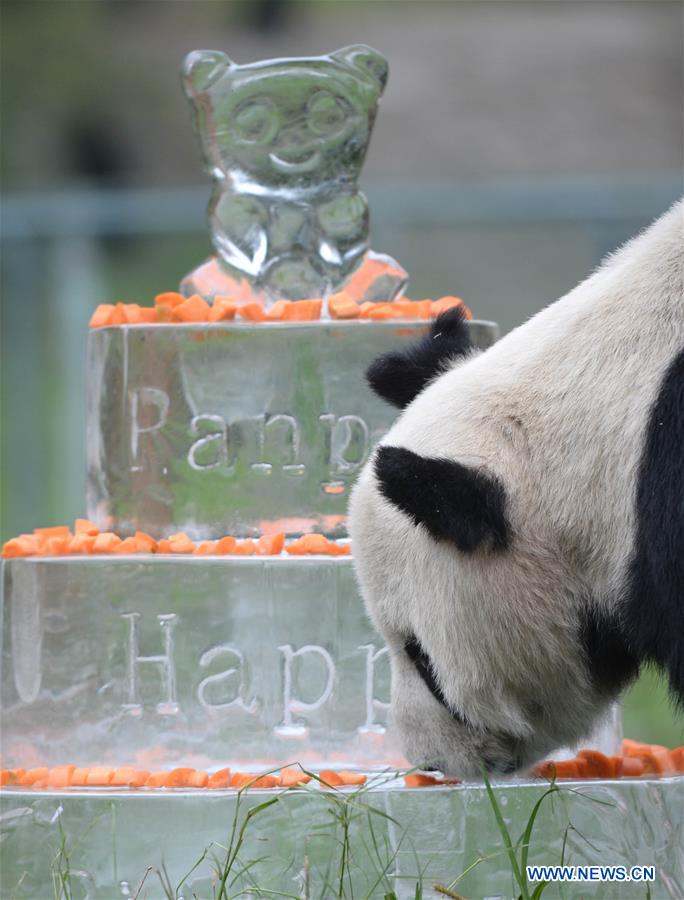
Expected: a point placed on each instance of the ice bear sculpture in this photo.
(284, 141)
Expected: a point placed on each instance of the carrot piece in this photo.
(663, 762)
(292, 777)
(24, 545)
(132, 312)
(270, 544)
(220, 779)
(314, 543)
(85, 526)
(194, 309)
(244, 779)
(127, 545)
(351, 777)
(339, 549)
(420, 309)
(565, 768)
(129, 776)
(253, 312)
(179, 777)
(677, 757)
(60, 776)
(148, 315)
(55, 546)
(278, 311)
(79, 777)
(181, 543)
(205, 548)
(163, 546)
(145, 543)
(169, 298)
(365, 308)
(634, 748)
(445, 303)
(245, 548)
(417, 779)
(106, 542)
(32, 775)
(343, 306)
(5, 776)
(329, 778)
(632, 767)
(384, 311)
(222, 309)
(303, 311)
(99, 776)
(156, 779)
(226, 545)
(56, 531)
(100, 318)
(599, 765)
(198, 779)
(118, 315)
(11, 776)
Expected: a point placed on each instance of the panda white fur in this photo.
(519, 532)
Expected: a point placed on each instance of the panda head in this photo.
(513, 591)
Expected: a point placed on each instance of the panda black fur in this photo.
(519, 533)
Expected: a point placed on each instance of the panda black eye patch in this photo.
(453, 502)
(423, 665)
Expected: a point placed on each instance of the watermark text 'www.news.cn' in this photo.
(591, 873)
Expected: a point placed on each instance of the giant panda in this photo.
(518, 534)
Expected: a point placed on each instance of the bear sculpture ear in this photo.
(399, 377)
(366, 60)
(202, 68)
(451, 501)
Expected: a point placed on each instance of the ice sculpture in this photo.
(284, 141)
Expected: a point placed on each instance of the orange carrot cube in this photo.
(343, 306)
(205, 548)
(163, 546)
(253, 312)
(32, 775)
(169, 298)
(156, 779)
(24, 545)
(181, 543)
(270, 544)
(278, 311)
(245, 548)
(60, 776)
(632, 767)
(106, 542)
(99, 776)
(100, 318)
(226, 545)
(417, 779)
(303, 311)
(599, 765)
(129, 776)
(179, 777)
(144, 542)
(198, 779)
(222, 309)
(329, 778)
(351, 777)
(292, 777)
(194, 309)
(220, 779)
(79, 777)
(85, 526)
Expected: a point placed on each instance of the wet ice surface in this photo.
(235, 429)
(113, 839)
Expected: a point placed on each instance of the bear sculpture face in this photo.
(284, 141)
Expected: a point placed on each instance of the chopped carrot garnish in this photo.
(220, 779)
(351, 777)
(5, 776)
(598, 764)
(179, 777)
(303, 311)
(277, 312)
(99, 776)
(163, 546)
(169, 298)
(181, 543)
(133, 311)
(24, 545)
(148, 315)
(85, 526)
(60, 776)
(100, 318)
(194, 309)
(32, 775)
(329, 778)
(198, 779)
(308, 543)
(270, 544)
(57, 531)
(226, 545)
(417, 779)
(222, 308)
(106, 542)
(205, 548)
(144, 542)
(55, 546)
(245, 779)
(565, 768)
(292, 777)
(384, 311)
(118, 315)
(343, 306)
(127, 545)
(156, 779)
(632, 767)
(128, 776)
(79, 777)
(253, 312)
(633, 748)
(339, 549)
(245, 548)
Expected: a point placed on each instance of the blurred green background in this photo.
(516, 144)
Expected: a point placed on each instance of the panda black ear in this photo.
(453, 502)
(399, 377)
